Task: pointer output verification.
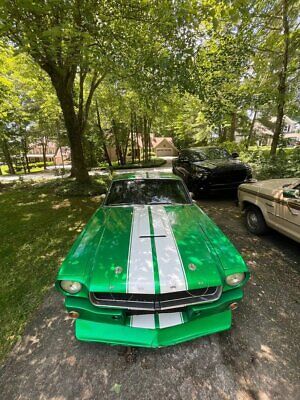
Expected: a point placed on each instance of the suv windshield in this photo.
(147, 191)
(210, 153)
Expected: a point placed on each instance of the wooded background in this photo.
(94, 73)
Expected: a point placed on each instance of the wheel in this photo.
(255, 221)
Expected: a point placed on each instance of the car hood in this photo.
(151, 249)
(221, 164)
(271, 186)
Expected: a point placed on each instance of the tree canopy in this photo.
(115, 71)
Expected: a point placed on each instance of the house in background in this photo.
(35, 153)
(264, 134)
(54, 153)
(160, 146)
(62, 155)
(163, 146)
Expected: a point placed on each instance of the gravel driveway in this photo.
(258, 359)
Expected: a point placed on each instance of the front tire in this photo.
(255, 221)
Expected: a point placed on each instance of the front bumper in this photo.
(207, 186)
(108, 325)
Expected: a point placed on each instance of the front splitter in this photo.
(92, 331)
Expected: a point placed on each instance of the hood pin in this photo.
(192, 267)
(118, 270)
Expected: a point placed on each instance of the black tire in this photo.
(255, 221)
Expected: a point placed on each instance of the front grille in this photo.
(156, 302)
(232, 176)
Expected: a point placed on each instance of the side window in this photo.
(183, 157)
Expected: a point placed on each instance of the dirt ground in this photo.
(258, 359)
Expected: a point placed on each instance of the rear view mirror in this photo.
(192, 195)
(234, 154)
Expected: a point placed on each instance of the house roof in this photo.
(287, 120)
(156, 141)
(262, 129)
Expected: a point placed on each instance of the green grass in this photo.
(34, 167)
(36, 232)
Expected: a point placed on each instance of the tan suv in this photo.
(274, 203)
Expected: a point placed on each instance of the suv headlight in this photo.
(71, 287)
(200, 172)
(235, 279)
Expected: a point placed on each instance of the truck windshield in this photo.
(210, 153)
(147, 191)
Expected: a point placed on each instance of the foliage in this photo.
(30, 253)
(68, 187)
(286, 164)
(154, 162)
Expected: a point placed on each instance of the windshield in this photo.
(210, 153)
(147, 191)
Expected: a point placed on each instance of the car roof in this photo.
(145, 175)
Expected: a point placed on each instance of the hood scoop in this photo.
(154, 235)
(144, 224)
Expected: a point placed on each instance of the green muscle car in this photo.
(150, 268)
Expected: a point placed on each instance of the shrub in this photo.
(70, 188)
(285, 165)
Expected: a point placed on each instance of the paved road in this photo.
(51, 172)
(257, 360)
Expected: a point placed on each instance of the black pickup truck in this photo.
(207, 169)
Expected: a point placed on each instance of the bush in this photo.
(234, 147)
(285, 165)
(68, 187)
(155, 162)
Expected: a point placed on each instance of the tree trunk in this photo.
(102, 135)
(131, 138)
(25, 152)
(64, 89)
(233, 126)
(222, 134)
(282, 86)
(62, 157)
(44, 149)
(7, 157)
(251, 131)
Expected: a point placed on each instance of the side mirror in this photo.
(234, 154)
(291, 193)
(102, 197)
(192, 196)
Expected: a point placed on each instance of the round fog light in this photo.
(233, 306)
(74, 314)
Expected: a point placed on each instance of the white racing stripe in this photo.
(145, 321)
(140, 274)
(170, 319)
(170, 268)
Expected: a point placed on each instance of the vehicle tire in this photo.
(255, 221)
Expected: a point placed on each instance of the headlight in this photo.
(235, 279)
(71, 286)
(200, 172)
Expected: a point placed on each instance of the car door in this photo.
(288, 211)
